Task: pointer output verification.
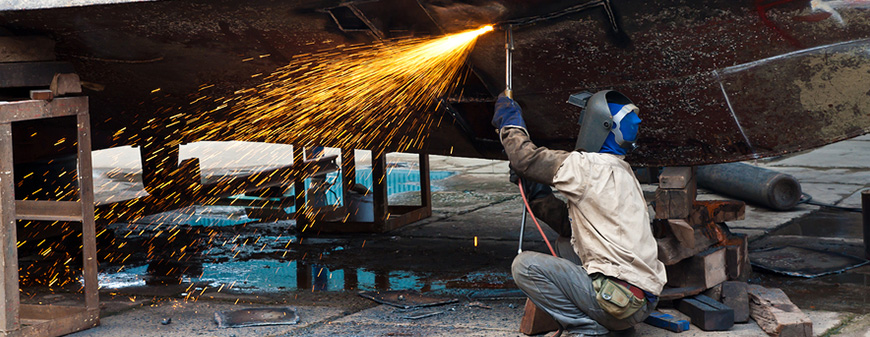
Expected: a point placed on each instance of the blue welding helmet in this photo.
(607, 116)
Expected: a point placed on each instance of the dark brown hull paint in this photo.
(716, 81)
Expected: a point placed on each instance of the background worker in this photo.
(608, 275)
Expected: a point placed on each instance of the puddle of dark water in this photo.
(823, 230)
(272, 276)
(218, 247)
(855, 278)
(827, 222)
(269, 275)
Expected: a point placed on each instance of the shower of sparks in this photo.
(374, 96)
(364, 96)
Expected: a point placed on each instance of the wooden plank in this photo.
(676, 193)
(63, 84)
(44, 95)
(86, 196)
(399, 218)
(671, 251)
(722, 210)
(380, 204)
(9, 297)
(669, 294)
(536, 321)
(26, 49)
(707, 313)
(683, 232)
(425, 182)
(667, 322)
(674, 203)
(31, 74)
(49, 311)
(734, 295)
(36, 109)
(60, 324)
(706, 269)
(715, 292)
(676, 177)
(46, 210)
(776, 314)
(737, 264)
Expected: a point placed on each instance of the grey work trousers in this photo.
(561, 287)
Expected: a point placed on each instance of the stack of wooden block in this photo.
(694, 241)
(701, 255)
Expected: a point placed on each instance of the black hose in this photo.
(808, 199)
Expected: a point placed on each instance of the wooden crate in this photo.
(46, 320)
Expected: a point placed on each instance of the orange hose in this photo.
(523, 195)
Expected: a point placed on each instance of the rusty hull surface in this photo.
(716, 81)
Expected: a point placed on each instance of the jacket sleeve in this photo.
(529, 161)
(554, 212)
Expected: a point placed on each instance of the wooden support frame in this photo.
(46, 320)
(386, 217)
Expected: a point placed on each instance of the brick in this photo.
(707, 313)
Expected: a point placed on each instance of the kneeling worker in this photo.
(608, 276)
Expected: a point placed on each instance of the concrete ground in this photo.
(464, 251)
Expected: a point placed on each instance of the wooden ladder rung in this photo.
(45, 210)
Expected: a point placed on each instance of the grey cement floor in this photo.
(478, 202)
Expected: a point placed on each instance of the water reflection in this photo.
(220, 247)
(262, 275)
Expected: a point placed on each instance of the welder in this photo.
(607, 276)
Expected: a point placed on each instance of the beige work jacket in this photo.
(610, 226)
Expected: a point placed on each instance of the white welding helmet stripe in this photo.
(626, 109)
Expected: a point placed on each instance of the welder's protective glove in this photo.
(533, 189)
(507, 113)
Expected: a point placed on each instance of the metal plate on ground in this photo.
(803, 262)
(255, 317)
(404, 298)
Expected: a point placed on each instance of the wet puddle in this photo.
(222, 249)
(264, 276)
(828, 230)
(249, 263)
(827, 222)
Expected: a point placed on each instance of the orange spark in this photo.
(360, 95)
